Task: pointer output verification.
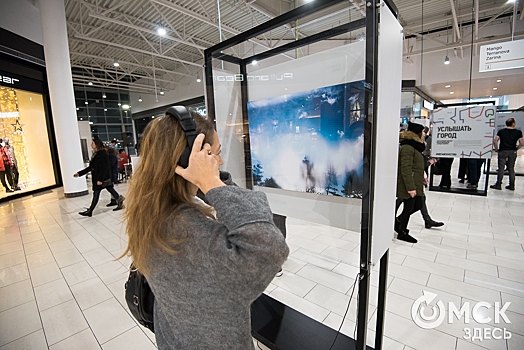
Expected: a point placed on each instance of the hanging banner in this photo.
(500, 121)
(501, 56)
(465, 132)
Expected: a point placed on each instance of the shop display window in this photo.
(26, 157)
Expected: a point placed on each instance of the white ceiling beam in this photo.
(455, 19)
(107, 71)
(206, 20)
(83, 37)
(453, 46)
(142, 29)
(81, 54)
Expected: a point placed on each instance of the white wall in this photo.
(21, 17)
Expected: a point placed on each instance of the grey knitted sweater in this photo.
(203, 294)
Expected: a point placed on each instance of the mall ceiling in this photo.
(103, 33)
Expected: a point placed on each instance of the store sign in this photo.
(465, 132)
(8, 80)
(263, 77)
(501, 56)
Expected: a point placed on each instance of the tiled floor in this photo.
(60, 287)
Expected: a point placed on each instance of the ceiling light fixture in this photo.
(139, 99)
(161, 31)
(104, 95)
(198, 78)
(126, 106)
(451, 92)
(105, 109)
(499, 80)
(86, 102)
(495, 88)
(90, 83)
(446, 60)
(162, 92)
(447, 86)
(116, 64)
(254, 62)
(119, 104)
(77, 108)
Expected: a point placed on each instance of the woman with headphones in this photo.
(205, 263)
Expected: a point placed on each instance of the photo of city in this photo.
(310, 141)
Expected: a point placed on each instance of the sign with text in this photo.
(465, 132)
(501, 56)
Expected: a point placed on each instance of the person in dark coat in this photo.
(410, 177)
(100, 171)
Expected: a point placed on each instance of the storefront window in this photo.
(26, 157)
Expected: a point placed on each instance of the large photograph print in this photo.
(310, 141)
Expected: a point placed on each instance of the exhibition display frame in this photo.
(485, 167)
(370, 23)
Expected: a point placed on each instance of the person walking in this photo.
(100, 173)
(5, 167)
(505, 143)
(410, 178)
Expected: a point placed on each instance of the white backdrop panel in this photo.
(388, 114)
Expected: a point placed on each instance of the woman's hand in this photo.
(426, 181)
(202, 170)
(99, 183)
(412, 193)
(75, 175)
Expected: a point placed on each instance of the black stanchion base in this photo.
(278, 326)
(457, 190)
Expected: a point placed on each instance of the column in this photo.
(56, 51)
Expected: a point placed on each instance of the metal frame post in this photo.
(369, 176)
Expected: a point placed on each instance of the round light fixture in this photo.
(447, 86)
(495, 88)
(116, 64)
(161, 31)
(86, 102)
(104, 95)
(90, 83)
(446, 60)
(139, 99)
(162, 92)
(451, 92)
(499, 80)
(126, 106)
(254, 62)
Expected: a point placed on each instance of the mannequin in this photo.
(5, 167)
(14, 170)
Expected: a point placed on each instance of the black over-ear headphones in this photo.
(188, 124)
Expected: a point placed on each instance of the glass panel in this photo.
(99, 112)
(114, 129)
(111, 96)
(114, 120)
(113, 112)
(97, 120)
(24, 129)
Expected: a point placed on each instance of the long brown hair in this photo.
(156, 191)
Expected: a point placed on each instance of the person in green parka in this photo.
(410, 177)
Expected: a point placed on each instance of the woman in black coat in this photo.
(100, 172)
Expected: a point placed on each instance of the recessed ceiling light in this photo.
(451, 92)
(447, 86)
(254, 62)
(495, 88)
(499, 80)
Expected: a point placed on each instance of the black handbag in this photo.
(435, 169)
(107, 183)
(140, 298)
